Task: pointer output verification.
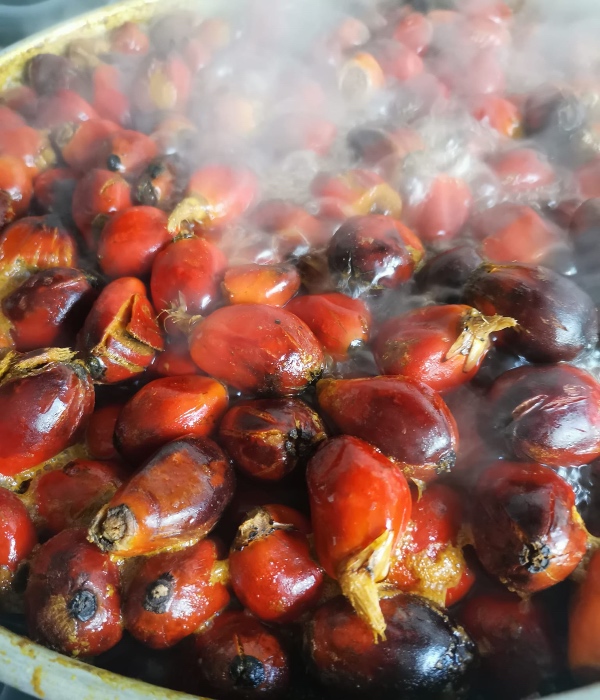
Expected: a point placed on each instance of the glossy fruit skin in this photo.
(172, 594)
(30, 146)
(166, 409)
(15, 189)
(341, 324)
(237, 657)
(519, 648)
(80, 143)
(174, 360)
(35, 385)
(127, 152)
(36, 243)
(261, 284)
(373, 252)
(97, 195)
(53, 191)
(498, 113)
(186, 276)
(175, 498)
(17, 535)
(557, 320)
(70, 496)
(526, 529)
(120, 336)
(584, 631)
(272, 572)
(62, 107)
(275, 352)
(549, 415)
(48, 309)
(404, 418)
(108, 98)
(424, 654)
(100, 431)
(269, 438)
(428, 560)
(444, 275)
(129, 39)
(72, 601)
(130, 241)
(522, 169)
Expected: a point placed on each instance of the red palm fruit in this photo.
(268, 438)
(108, 99)
(174, 361)
(176, 498)
(239, 658)
(360, 78)
(162, 182)
(9, 119)
(97, 195)
(185, 277)
(515, 233)
(373, 252)
(49, 384)
(519, 649)
(441, 346)
(129, 39)
(120, 336)
(272, 572)
(15, 189)
(130, 241)
(17, 536)
(22, 99)
(398, 62)
(36, 243)
(526, 529)
(339, 322)
(404, 418)
(79, 143)
(30, 146)
(293, 229)
(443, 210)
(47, 73)
(65, 106)
(556, 319)
(360, 505)
(166, 409)
(127, 152)
(71, 496)
(522, 170)
(172, 594)
(546, 414)
(175, 135)
(415, 31)
(53, 190)
(275, 352)
(445, 274)
(100, 431)
(49, 308)
(72, 601)
(429, 560)
(584, 627)
(355, 193)
(274, 285)
(216, 195)
(498, 113)
(163, 85)
(425, 653)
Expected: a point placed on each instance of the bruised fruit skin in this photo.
(269, 438)
(339, 322)
(547, 414)
(45, 384)
(70, 496)
(526, 529)
(120, 336)
(238, 657)
(166, 409)
(584, 625)
(373, 252)
(424, 653)
(556, 319)
(175, 498)
(404, 418)
(441, 346)
(429, 560)
(172, 594)
(360, 505)
(17, 535)
(72, 601)
(257, 348)
(272, 572)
